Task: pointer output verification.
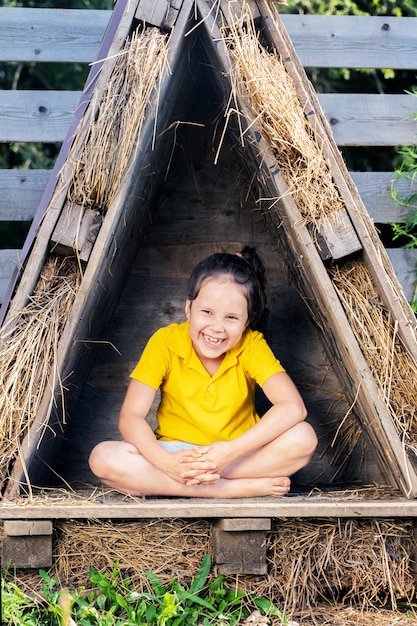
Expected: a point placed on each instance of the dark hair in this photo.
(247, 269)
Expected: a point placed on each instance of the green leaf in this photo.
(200, 578)
(156, 584)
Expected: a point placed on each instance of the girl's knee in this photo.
(99, 456)
(303, 440)
(307, 438)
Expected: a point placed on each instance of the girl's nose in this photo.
(217, 324)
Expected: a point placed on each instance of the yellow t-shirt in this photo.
(196, 407)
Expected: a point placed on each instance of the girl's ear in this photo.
(187, 309)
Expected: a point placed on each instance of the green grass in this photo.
(112, 600)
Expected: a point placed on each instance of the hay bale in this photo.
(28, 347)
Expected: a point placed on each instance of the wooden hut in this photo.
(204, 164)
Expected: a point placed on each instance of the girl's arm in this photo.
(135, 430)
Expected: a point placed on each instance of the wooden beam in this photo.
(321, 505)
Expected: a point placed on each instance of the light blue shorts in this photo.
(175, 446)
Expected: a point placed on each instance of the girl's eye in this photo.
(232, 317)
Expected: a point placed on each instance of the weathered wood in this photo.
(75, 232)
(404, 262)
(27, 543)
(31, 552)
(354, 41)
(21, 192)
(153, 12)
(375, 189)
(371, 119)
(335, 236)
(320, 40)
(239, 552)
(356, 119)
(31, 115)
(244, 523)
(199, 508)
(8, 260)
(45, 35)
(19, 528)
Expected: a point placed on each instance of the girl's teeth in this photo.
(214, 341)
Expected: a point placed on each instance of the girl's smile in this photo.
(218, 317)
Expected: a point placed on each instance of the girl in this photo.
(209, 441)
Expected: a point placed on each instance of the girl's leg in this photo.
(283, 456)
(120, 466)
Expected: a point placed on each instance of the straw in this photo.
(28, 349)
(107, 155)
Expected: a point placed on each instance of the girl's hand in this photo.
(219, 454)
(195, 469)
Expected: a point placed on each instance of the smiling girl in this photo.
(209, 441)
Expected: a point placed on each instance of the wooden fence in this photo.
(73, 36)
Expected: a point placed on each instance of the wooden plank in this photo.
(404, 262)
(354, 41)
(355, 119)
(152, 12)
(375, 191)
(371, 119)
(21, 192)
(135, 508)
(59, 35)
(75, 231)
(32, 115)
(73, 35)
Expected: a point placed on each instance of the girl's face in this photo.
(218, 317)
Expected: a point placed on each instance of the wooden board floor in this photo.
(203, 208)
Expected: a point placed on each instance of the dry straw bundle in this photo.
(259, 76)
(363, 563)
(393, 369)
(168, 548)
(28, 347)
(115, 129)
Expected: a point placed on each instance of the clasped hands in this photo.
(201, 465)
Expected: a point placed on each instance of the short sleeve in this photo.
(154, 361)
(260, 362)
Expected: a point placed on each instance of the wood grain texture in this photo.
(45, 35)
